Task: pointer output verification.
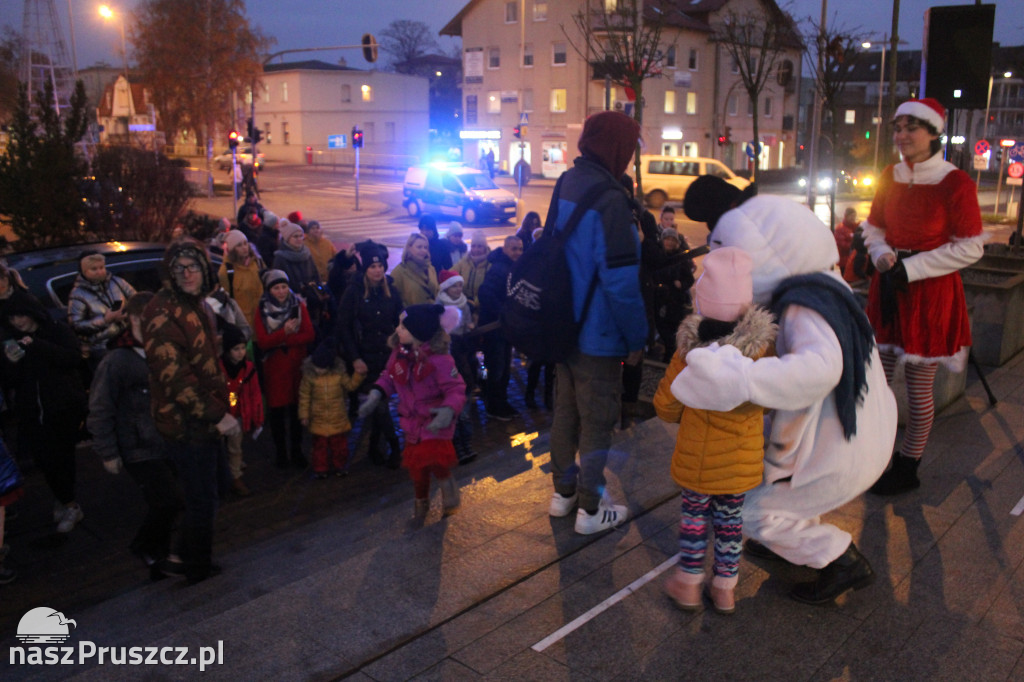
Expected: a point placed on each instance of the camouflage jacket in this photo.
(189, 392)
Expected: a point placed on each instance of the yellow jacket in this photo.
(323, 397)
(717, 453)
(473, 276)
(323, 252)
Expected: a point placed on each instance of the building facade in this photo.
(304, 109)
(520, 67)
(125, 116)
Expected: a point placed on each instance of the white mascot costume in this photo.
(812, 463)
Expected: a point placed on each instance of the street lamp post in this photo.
(881, 87)
(107, 13)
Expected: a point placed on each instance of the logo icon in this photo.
(43, 625)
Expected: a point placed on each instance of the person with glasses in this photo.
(189, 399)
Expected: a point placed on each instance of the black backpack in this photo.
(538, 317)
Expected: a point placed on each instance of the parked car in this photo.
(223, 160)
(50, 273)
(456, 190)
(666, 178)
(864, 181)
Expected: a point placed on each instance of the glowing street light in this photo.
(107, 13)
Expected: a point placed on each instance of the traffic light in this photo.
(728, 134)
(518, 132)
(721, 140)
(357, 138)
(255, 134)
(369, 48)
(233, 139)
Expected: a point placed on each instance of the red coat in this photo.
(245, 400)
(282, 358)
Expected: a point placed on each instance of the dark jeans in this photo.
(161, 490)
(52, 447)
(197, 465)
(587, 406)
(498, 361)
(285, 425)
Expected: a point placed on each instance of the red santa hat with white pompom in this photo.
(927, 109)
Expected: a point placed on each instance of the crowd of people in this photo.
(777, 374)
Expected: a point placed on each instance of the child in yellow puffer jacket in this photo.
(719, 456)
(323, 400)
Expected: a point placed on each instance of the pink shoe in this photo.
(722, 594)
(684, 589)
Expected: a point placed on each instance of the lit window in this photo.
(691, 62)
(850, 117)
(367, 92)
(670, 102)
(528, 54)
(691, 103)
(558, 100)
(558, 54)
(511, 12)
(284, 93)
(610, 5)
(494, 102)
(540, 11)
(494, 58)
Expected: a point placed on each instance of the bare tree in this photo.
(622, 45)
(405, 40)
(754, 41)
(195, 55)
(830, 64)
(10, 43)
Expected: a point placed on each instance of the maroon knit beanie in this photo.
(610, 138)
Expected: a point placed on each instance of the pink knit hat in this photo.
(927, 109)
(726, 289)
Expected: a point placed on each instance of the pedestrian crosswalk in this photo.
(388, 229)
(346, 190)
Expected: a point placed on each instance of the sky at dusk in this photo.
(312, 23)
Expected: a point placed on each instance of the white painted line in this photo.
(1018, 509)
(605, 605)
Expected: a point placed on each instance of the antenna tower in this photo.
(44, 56)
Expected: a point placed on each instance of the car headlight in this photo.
(867, 181)
(825, 183)
(802, 182)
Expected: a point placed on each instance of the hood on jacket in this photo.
(309, 369)
(23, 303)
(783, 237)
(610, 138)
(187, 248)
(754, 332)
(497, 255)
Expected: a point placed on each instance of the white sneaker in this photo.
(608, 515)
(72, 515)
(561, 505)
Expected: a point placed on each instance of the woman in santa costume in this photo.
(924, 226)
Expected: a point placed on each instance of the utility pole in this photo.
(812, 161)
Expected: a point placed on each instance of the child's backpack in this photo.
(538, 316)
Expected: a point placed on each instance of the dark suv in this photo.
(50, 273)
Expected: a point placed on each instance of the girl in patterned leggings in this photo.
(718, 455)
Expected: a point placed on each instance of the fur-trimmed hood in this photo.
(753, 335)
(308, 368)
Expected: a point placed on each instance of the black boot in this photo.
(851, 571)
(899, 478)
(756, 549)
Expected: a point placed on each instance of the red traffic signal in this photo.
(518, 132)
(233, 138)
(721, 140)
(357, 138)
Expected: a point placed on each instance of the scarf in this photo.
(411, 364)
(834, 302)
(425, 276)
(276, 314)
(293, 255)
(444, 299)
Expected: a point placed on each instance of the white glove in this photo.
(113, 466)
(442, 418)
(228, 425)
(370, 404)
(715, 378)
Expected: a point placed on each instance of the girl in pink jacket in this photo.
(430, 394)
